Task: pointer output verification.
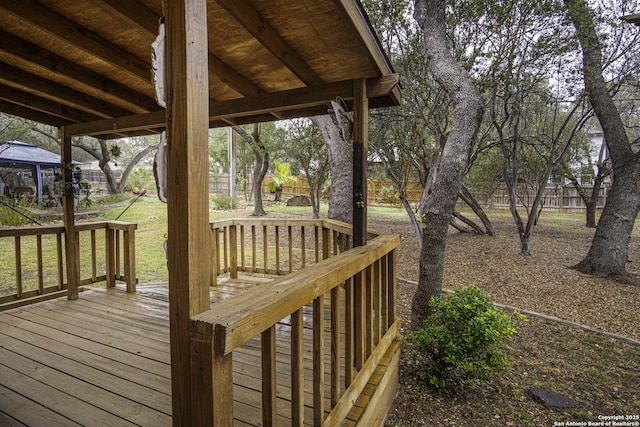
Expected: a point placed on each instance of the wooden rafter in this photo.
(147, 20)
(135, 12)
(89, 68)
(45, 19)
(31, 114)
(260, 28)
(19, 97)
(59, 93)
(56, 65)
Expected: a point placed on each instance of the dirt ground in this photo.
(599, 373)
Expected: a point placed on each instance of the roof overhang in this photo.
(89, 68)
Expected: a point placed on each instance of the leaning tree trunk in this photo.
(609, 248)
(467, 115)
(467, 196)
(341, 165)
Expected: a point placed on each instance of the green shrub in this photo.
(222, 201)
(461, 341)
(388, 195)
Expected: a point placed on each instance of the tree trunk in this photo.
(261, 165)
(341, 165)
(467, 196)
(593, 205)
(467, 115)
(607, 256)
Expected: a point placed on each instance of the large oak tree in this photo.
(608, 253)
(467, 116)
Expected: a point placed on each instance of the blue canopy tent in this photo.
(16, 154)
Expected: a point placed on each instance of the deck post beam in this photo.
(72, 261)
(360, 143)
(189, 246)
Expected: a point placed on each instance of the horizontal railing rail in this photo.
(34, 263)
(355, 288)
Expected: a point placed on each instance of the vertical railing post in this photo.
(359, 319)
(326, 243)
(18, 252)
(391, 274)
(233, 251)
(269, 392)
(110, 258)
(318, 361)
(297, 368)
(130, 257)
(61, 284)
(215, 260)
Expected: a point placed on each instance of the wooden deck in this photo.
(105, 360)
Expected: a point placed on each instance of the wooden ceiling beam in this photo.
(23, 50)
(258, 27)
(287, 104)
(45, 19)
(29, 100)
(135, 12)
(58, 93)
(31, 114)
(148, 21)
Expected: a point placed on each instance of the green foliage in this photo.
(11, 218)
(461, 341)
(140, 177)
(388, 195)
(282, 176)
(109, 199)
(222, 201)
(86, 201)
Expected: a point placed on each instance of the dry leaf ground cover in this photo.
(601, 374)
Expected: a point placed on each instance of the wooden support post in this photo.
(360, 144)
(189, 245)
(222, 389)
(72, 257)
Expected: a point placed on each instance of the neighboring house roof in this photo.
(16, 152)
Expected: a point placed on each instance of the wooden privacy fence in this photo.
(106, 254)
(355, 288)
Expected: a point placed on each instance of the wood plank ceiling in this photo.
(87, 65)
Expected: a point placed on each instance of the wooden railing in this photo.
(276, 247)
(357, 287)
(38, 256)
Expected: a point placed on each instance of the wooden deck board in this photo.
(104, 360)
